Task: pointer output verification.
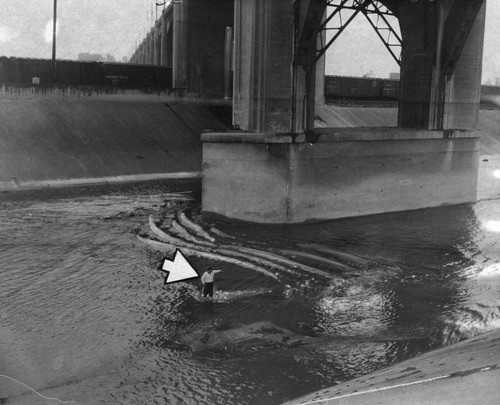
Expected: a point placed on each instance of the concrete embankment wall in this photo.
(62, 140)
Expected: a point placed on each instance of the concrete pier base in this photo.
(347, 172)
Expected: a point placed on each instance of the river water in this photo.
(85, 315)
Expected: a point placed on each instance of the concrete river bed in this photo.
(85, 315)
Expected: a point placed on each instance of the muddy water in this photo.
(85, 316)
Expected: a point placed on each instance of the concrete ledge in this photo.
(384, 134)
(245, 137)
(328, 135)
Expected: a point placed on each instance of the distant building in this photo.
(394, 76)
(95, 57)
(90, 57)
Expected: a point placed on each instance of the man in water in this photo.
(208, 282)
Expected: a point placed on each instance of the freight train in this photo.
(42, 72)
(22, 72)
(376, 89)
(360, 88)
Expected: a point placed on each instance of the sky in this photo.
(115, 27)
(94, 26)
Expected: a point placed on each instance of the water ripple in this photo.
(84, 311)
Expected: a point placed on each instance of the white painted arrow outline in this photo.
(178, 269)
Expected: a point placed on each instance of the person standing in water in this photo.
(208, 282)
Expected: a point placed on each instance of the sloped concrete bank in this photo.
(465, 373)
(64, 141)
(61, 139)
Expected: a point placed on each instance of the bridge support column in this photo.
(463, 90)
(157, 33)
(180, 42)
(151, 44)
(146, 50)
(262, 93)
(166, 42)
(319, 93)
(441, 63)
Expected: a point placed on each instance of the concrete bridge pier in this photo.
(278, 169)
(151, 45)
(166, 42)
(190, 37)
(180, 38)
(262, 91)
(463, 92)
(441, 63)
(156, 48)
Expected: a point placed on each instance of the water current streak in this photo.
(263, 261)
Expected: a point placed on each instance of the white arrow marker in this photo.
(179, 269)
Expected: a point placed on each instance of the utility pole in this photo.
(54, 31)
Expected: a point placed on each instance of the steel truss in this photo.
(379, 16)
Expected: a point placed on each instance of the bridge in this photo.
(276, 166)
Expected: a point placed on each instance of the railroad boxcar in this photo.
(360, 88)
(21, 71)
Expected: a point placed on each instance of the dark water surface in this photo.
(84, 314)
